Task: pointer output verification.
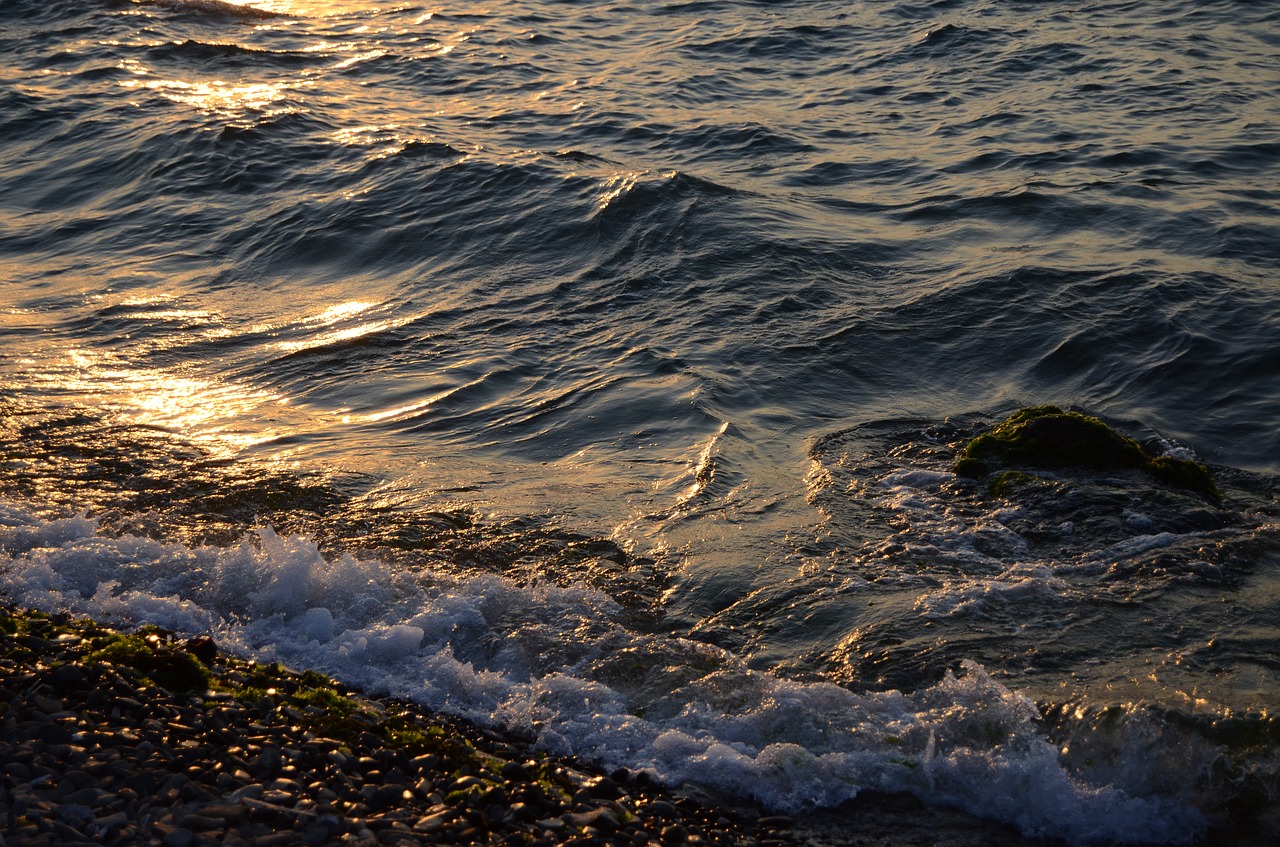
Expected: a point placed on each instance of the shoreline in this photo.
(147, 738)
(98, 750)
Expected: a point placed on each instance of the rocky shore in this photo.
(114, 739)
(121, 739)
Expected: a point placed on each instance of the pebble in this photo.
(177, 837)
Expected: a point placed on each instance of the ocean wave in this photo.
(193, 54)
(487, 273)
(218, 8)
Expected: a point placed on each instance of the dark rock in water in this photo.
(1047, 437)
(1137, 528)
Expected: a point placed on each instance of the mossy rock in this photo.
(168, 666)
(1047, 437)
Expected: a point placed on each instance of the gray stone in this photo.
(227, 812)
(67, 677)
(516, 772)
(198, 821)
(19, 771)
(74, 813)
(177, 837)
(602, 819)
(430, 823)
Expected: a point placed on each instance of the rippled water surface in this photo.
(577, 339)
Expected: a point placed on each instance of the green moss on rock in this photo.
(1004, 482)
(166, 665)
(1184, 473)
(1047, 437)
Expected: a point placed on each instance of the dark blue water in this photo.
(653, 328)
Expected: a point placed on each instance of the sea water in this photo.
(596, 371)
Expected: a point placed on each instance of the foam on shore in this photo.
(557, 663)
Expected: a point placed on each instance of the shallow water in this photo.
(626, 336)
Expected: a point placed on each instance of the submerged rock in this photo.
(1047, 437)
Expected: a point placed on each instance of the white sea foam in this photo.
(556, 662)
(1017, 583)
(931, 528)
(915, 478)
(1134, 546)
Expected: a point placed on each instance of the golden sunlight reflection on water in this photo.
(218, 97)
(224, 417)
(331, 334)
(279, 7)
(302, 8)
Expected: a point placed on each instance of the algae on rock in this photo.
(1047, 437)
(165, 664)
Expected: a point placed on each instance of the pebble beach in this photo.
(148, 738)
(97, 751)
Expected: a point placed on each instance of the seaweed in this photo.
(1006, 481)
(160, 662)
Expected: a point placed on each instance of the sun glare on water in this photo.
(286, 7)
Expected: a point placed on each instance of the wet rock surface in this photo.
(1105, 504)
